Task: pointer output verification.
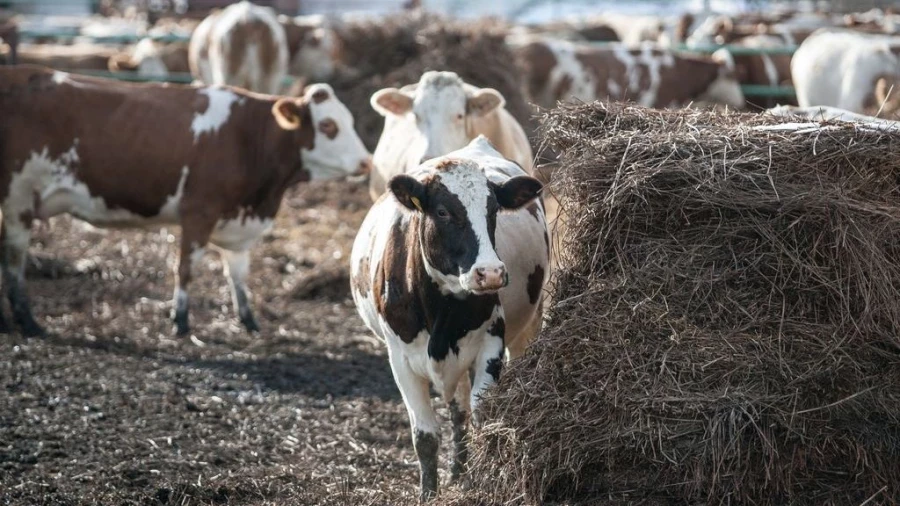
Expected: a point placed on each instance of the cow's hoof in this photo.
(249, 322)
(182, 328)
(32, 329)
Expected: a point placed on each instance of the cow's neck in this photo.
(446, 317)
(276, 163)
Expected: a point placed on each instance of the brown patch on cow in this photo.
(253, 33)
(683, 28)
(605, 67)
(320, 96)
(393, 291)
(562, 88)
(329, 128)
(598, 33)
(538, 61)
(535, 284)
(534, 210)
(446, 164)
(175, 57)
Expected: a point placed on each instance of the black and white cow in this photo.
(448, 269)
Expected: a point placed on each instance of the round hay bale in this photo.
(725, 324)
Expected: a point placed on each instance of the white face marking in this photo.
(336, 157)
(217, 112)
(439, 112)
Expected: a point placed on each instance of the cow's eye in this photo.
(459, 116)
(443, 214)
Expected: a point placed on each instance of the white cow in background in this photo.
(440, 114)
(843, 69)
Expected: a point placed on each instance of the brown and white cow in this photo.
(66, 57)
(650, 76)
(214, 160)
(313, 46)
(152, 59)
(841, 68)
(439, 114)
(448, 268)
(242, 45)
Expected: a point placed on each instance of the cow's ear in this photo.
(287, 113)
(391, 101)
(516, 192)
(484, 101)
(121, 62)
(408, 191)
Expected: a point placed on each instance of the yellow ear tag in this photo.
(416, 203)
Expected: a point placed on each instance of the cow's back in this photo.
(839, 68)
(247, 48)
(111, 152)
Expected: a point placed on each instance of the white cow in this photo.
(242, 45)
(439, 114)
(447, 268)
(841, 68)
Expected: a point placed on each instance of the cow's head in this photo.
(334, 149)
(457, 207)
(146, 58)
(442, 106)
(315, 49)
(725, 87)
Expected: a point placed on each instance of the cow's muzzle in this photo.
(489, 279)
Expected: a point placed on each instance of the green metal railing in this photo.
(69, 34)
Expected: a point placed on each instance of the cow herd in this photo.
(449, 266)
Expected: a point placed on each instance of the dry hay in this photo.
(725, 325)
(396, 51)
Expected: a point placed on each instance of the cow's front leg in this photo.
(460, 407)
(237, 265)
(16, 236)
(194, 237)
(422, 421)
(489, 362)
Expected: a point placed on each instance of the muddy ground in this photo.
(112, 409)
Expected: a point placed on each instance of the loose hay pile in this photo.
(397, 51)
(727, 319)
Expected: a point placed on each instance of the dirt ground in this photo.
(112, 409)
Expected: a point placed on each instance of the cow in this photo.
(650, 76)
(66, 57)
(214, 160)
(152, 59)
(242, 45)
(437, 115)
(841, 68)
(447, 269)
